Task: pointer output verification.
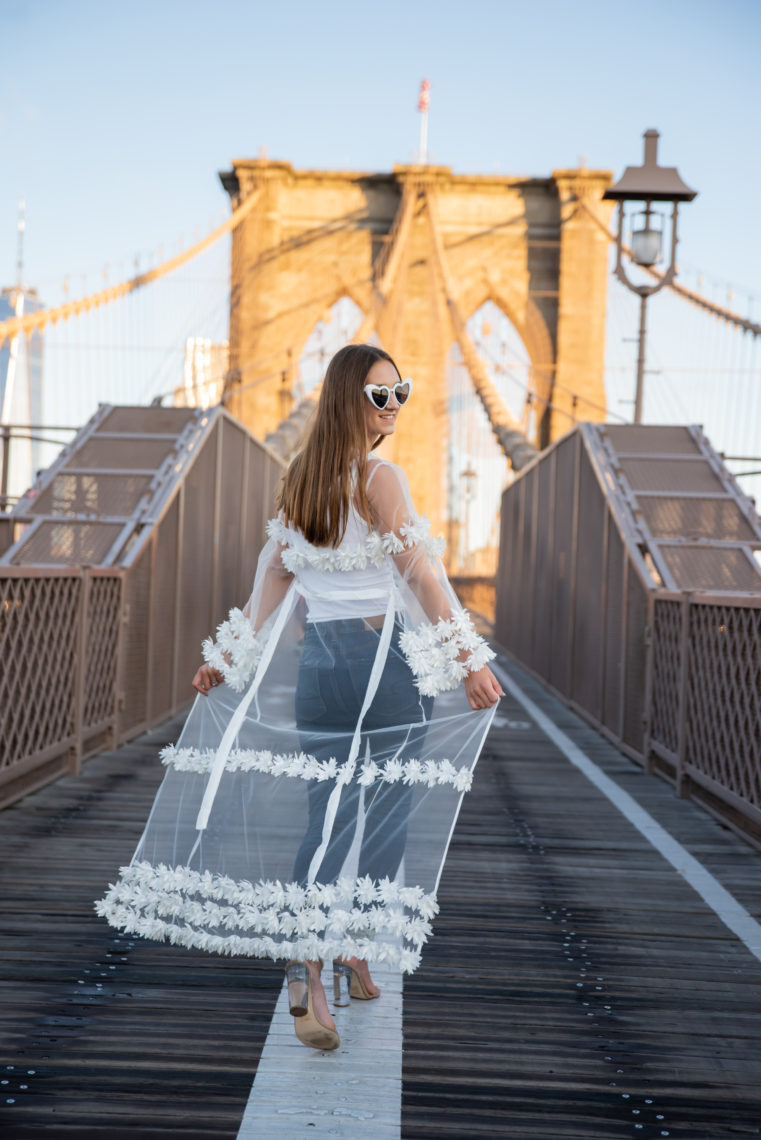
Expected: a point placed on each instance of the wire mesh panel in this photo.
(711, 568)
(671, 517)
(667, 672)
(671, 475)
(39, 629)
(110, 453)
(101, 646)
(146, 420)
(724, 700)
(651, 439)
(67, 543)
(77, 493)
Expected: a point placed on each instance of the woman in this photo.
(308, 804)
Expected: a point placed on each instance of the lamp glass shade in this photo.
(646, 246)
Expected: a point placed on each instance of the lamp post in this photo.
(647, 183)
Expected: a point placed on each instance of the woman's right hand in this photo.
(482, 688)
(207, 678)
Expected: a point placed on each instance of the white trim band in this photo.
(287, 920)
(372, 552)
(304, 766)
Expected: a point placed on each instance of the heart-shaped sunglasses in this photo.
(380, 394)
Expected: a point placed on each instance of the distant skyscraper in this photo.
(206, 363)
(21, 378)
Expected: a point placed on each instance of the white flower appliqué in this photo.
(374, 551)
(432, 653)
(236, 651)
(304, 766)
(272, 919)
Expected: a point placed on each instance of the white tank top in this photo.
(351, 580)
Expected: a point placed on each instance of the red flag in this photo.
(423, 101)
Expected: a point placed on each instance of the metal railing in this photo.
(705, 712)
(91, 656)
(672, 677)
(59, 648)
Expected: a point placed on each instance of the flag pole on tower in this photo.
(422, 106)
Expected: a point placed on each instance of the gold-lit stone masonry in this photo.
(318, 235)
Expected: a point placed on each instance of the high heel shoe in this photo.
(348, 984)
(309, 1029)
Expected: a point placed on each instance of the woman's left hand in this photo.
(482, 688)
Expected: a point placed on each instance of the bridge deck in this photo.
(577, 985)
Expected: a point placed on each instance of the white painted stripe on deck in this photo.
(732, 913)
(356, 1090)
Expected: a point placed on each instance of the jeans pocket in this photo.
(310, 706)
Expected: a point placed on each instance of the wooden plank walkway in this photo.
(576, 985)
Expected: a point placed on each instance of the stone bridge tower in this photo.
(315, 236)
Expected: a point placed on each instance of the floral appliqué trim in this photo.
(236, 651)
(357, 556)
(271, 919)
(304, 766)
(432, 653)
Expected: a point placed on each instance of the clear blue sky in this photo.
(115, 118)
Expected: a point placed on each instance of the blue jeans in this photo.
(334, 669)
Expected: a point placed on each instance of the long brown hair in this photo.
(329, 472)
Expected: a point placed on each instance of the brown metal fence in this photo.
(673, 677)
(58, 655)
(706, 707)
(91, 656)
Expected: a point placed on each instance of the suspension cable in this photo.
(16, 325)
(690, 295)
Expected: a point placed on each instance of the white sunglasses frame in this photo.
(385, 388)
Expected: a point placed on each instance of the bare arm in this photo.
(274, 588)
(276, 582)
(395, 513)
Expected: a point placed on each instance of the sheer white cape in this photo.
(309, 802)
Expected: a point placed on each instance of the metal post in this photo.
(681, 778)
(118, 671)
(178, 589)
(641, 349)
(5, 458)
(80, 671)
(647, 711)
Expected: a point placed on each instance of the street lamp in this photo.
(647, 183)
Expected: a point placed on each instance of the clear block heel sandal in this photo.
(348, 984)
(309, 1029)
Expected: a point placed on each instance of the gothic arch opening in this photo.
(477, 471)
(333, 330)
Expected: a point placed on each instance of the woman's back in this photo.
(353, 579)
